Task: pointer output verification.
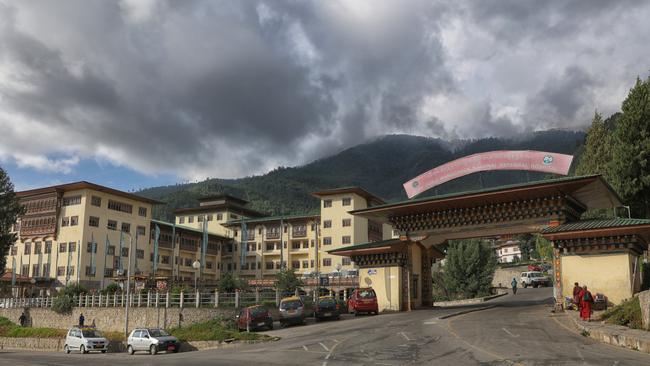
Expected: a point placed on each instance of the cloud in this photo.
(224, 89)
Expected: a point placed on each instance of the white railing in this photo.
(154, 299)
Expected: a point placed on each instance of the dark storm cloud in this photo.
(229, 88)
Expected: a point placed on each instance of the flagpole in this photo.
(173, 260)
(78, 260)
(155, 249)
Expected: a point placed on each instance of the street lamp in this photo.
(338, 272)
(128, 283)
(196, 265)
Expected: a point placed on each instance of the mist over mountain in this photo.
(380, 166)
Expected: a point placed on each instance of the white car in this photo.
(534, 279)
(85, 340)
(152, 340)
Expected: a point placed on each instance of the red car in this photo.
(254, 317)
(534, 267)
(363, 300)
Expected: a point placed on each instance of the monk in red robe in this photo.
(585, 303)
(576, 295)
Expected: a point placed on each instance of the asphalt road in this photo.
(518, 330)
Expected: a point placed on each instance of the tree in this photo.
(597, 155)
(544, 248)
(286, 280)
(631, 150)
(228, 283)
(10, 210)
(469, 268)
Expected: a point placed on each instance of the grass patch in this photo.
(217, 329)
(9, 329)
(627, 313)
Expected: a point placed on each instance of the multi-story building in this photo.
(507, 250)
(71, 232)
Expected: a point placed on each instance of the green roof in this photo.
(159, 222)
(595, 224)
(374, 244)
(479, 191)
(271, 218)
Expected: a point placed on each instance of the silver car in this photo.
(85, 340)
(152, 340)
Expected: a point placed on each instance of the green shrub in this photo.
(62, 304)
(111, 289)
(217, 329)
(627, 313)
(9, 329)
(73, 289)
(269, 304)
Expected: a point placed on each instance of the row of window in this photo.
(345, 223)
(345, 239)
(345, 201)
(201, 218)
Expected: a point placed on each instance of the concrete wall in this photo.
(609, 274)
(112, 319)
(644, 301)
(386, 283)
(503, 276)
(416, 255)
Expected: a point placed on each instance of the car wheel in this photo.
(282, 325)
(153, 349)
(82, 349)
(356, 313)
(130, 349)
(103, 351)
(66, 349)
(525, 285)
(270, 326)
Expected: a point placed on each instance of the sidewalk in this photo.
(616, 335)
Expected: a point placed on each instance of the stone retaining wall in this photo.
(112, 319)
(477, 300)
(644, 301)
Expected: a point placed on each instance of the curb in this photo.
(477, 300)
(463, 312)
(613, 337)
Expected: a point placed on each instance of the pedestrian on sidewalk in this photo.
(514, 285)
(82, 319)
(22, 319)
(585, 304)
(576, 295)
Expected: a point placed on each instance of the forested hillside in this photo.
(380, 166)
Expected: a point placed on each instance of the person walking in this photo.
(514, 285)
(22, 319)
(576, 295)
(82, 319)
(585, 304)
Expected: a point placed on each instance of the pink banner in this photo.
(538, 161)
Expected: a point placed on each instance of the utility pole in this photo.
(316, 260)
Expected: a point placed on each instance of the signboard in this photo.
(538, 161)
(372, 272)
(161, 285)
(324, 281)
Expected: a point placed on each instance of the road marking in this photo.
(430, 323)
(322, 345)
(336, 340)
(405, 336)
(512, 335)
(305, 348)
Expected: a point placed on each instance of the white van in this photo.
(85, 340)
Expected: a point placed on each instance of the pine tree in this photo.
(597, 155)
(631, 153)
(469, 268)
(10, 209)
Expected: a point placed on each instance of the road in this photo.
(518, 330)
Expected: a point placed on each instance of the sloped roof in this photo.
(596, 224)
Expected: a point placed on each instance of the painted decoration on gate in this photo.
(538, 161)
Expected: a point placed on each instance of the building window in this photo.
(259, 231)
(28, 248)
(63, 247)
(347, 261)
(327, 224)
(60, 271)
(208, 265)
(312, 243)
(209, 217)
(187, 262)
(112, 225)
(116, 262)
(346, 239)
(71, 271)
(295, 245)
(36, 270)
(37, 247)
(74, 220)
(48, 247)
(347, 201)
(270, 247)
(72, 246)
(71, 201)
(313, 227)
(93, 221)
(14, 250)
(65, 221)
(190, 219)
(199, 218)
(91, 247)
(142, 211)
(126, 227)
(327, 240)
(125, 252)
(90, 271)
(327, 203)
(327, 262)
(219, 216)
(305, 245)
(46, 270)
(269, 265)
(295, 264)
(120, 206)
(311, 263)
(181, 219)
(96, 201)
(139, 254)
(141, 230)
(108, 272)
(347, 222)
(234, 217)
(165, 259)
(305, 264)
(236, 233)
(110, 250)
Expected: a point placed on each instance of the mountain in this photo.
(381, 166)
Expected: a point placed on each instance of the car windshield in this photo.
(367, 294)
(329, 301)
(290, 304)
(257, 311)
(91, 333)
(158, 333)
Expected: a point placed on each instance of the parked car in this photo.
(327, 308)
(292, 311)
(153, 340)
(363, 300)
(85, 340)
(534, 279)
(535, 267)
(254, 317)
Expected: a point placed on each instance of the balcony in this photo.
(299, 233)
(273, 235)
